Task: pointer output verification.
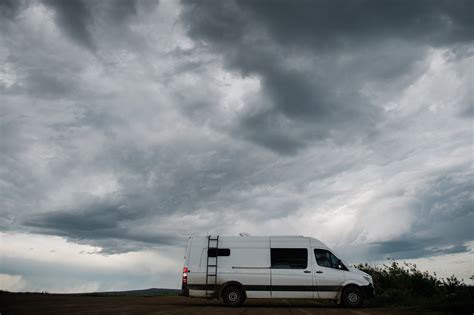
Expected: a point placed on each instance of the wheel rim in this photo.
(353, 297)
(233, 296)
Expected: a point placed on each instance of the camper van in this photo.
(236, 268)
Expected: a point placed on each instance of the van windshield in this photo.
(325, 258)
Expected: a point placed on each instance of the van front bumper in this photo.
(369, 291)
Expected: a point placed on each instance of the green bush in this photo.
(402, 284)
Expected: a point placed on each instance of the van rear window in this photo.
(211, 252)
(289, 258)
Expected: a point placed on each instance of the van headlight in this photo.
(368, 278)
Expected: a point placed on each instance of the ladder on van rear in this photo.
(211, 266)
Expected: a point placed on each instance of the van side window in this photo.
(289, 258)
(211, 252)
(325, 258)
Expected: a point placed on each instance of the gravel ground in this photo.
(76, 304)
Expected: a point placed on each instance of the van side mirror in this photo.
(339, 264)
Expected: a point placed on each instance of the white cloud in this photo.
(12, 282)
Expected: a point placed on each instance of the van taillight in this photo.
(185, 275)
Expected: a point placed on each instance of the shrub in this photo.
(403, 284)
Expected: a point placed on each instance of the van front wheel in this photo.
(352, 297)
(233, 296)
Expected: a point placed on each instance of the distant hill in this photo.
(144, 292)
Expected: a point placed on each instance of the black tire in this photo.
(352, 297)
(233, 296)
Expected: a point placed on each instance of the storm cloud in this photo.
(315, 58)
(129, 125)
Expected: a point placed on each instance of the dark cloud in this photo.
(40, 83)
(95, 216)
(10, 8)
(325, 23)
(446, 205)
(105, 221)
(299, 51)
(268, 129)
(468, 111)
(76, 18)
(120, 10)
(414, 248)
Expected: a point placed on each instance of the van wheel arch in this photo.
(232, 283)
(352, 290)
(233, 294)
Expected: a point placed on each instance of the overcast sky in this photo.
(127, 126)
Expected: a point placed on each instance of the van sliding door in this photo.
(291, 271)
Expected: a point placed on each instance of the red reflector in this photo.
(185, 274)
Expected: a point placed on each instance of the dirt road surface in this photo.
(75, 304)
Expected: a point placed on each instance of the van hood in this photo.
(360, 272)
(364, 275)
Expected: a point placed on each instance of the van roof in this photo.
(313, 241)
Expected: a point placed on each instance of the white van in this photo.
(293, 267)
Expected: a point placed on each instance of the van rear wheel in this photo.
(352, 297)
(233, 296)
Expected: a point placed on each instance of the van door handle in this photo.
(307, 271)
(319, 271)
